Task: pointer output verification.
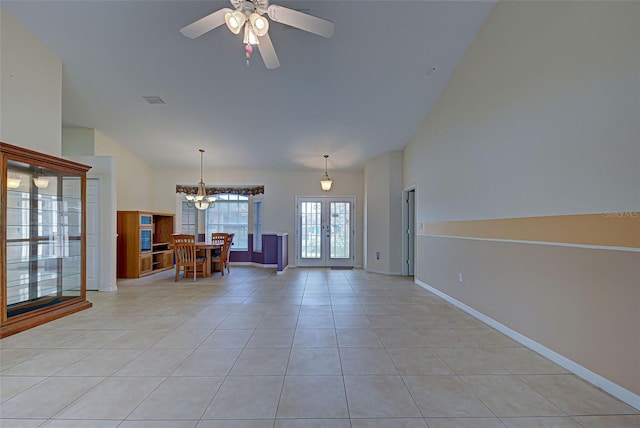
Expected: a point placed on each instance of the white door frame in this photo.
(409, 232)
(325, 260)
(104, 170)
(93, 222)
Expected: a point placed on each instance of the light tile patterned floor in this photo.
(310, 348)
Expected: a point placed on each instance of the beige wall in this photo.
(281, 188)
(31, 88)
(582, 303)
(383, 190)
(540, 119)
(134, 177)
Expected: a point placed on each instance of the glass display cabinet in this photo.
(42, 223)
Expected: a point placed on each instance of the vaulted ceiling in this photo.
(354, 96)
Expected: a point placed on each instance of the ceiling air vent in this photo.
(154, 100)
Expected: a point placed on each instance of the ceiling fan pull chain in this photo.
(248, 49)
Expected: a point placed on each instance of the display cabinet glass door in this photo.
(44, 238)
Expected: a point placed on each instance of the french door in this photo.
(325, 231)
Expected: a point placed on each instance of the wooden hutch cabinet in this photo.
(143, 243)
(42, 224)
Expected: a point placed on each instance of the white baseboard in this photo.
(280, 272)
(254, 264)
(259, 265)
(612, 388)
(382, 273)
(295, 266)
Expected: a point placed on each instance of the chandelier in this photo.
(201, 201)
(325, 181)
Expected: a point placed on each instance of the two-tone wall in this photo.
(275, 252)
(528, 183)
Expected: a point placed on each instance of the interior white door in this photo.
(325, 231)
(93, 234)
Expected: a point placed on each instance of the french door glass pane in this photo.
(311, 230)
(340, 227)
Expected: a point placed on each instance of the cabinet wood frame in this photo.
(33, 318)
(132, 261)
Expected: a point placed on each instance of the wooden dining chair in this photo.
(223, 258)
(184, 247)
(218, 238)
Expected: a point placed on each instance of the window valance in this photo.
(250, 190)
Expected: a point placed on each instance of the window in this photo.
(189, 219)
(230, 215)
(257, 227)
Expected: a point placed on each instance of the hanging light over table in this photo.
(201, 201)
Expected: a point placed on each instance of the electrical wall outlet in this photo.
(460, 277)
(377, 255)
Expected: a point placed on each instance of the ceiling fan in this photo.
(248, 14)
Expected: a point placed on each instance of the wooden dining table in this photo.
(207, 248)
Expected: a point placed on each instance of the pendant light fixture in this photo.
(325, 181)
(201, 201)
(40, 181)
(13, 183)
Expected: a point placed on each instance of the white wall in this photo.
(78, 141)
(134, 177)
(383, 188)
(539, 118)
(30, 88)
(281, 188)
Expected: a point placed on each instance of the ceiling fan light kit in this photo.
(259, 23)
(250, 37)
(248, 14)
(235, 21)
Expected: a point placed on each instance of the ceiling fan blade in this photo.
(206, 24)
(267, 52)
(300, 20)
